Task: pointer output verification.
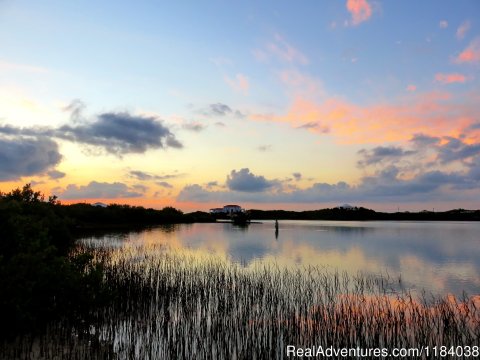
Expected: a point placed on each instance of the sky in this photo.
(269, 105)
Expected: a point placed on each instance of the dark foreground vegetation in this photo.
(361, 213)
(187, 306)
(40, 278)
(62, 299)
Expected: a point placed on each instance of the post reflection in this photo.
(426, 255)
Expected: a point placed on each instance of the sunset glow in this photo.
(268, 105)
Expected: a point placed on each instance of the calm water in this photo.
(438, 257)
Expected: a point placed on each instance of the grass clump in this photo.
(182, 305)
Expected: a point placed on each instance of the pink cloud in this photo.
(260, 55)
(286, 52)
(240, 83)
(463, 29)
(360, 10)
(411, 88)
(471, 54)
(281, 50)
(443, 24)
(301, 84)
(428, 113)
(450, 78)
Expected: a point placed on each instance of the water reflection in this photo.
(440, 257)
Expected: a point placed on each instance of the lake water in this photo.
(440, 257)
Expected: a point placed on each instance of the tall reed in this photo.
(172, 305)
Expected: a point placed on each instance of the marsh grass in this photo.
(172, 305)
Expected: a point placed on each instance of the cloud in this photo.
(422, 140)
(22, 156)
(360, 10)
(447, 149)
(197, 193)
(309, 125)
(411, 88)
(471, 54)
(428, 168)
(453, 149)
(430, 154)
(281, 50)
(142, 176)
(315, 125)
(55, 174)
(240, 83)
(474, 126)
(164, 184)
(297, 176)
(194, 126)
(264, 148)
(440, 113)
(76, 109)
(98, 190)
(139, 187)
(443, 24)
(385, 186)
(463, 29)
(221, 110)
(212, 184)
(380, 154)
(244, 180)
(121, 133)
(300, 83)
(116, 133)
(28, 132)
(168, 176)
(35, 183)
(450, 78)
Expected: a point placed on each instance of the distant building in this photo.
(216, 211)
(100, 204)
(227, 209)
(346, 207)
(230, 209)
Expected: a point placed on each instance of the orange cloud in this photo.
(471, 54)
(429, 113)
(450, 78)
(360, 9)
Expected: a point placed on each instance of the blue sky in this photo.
(338, 92)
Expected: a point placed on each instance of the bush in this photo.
(39, 281)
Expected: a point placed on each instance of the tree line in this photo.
(42, 277)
